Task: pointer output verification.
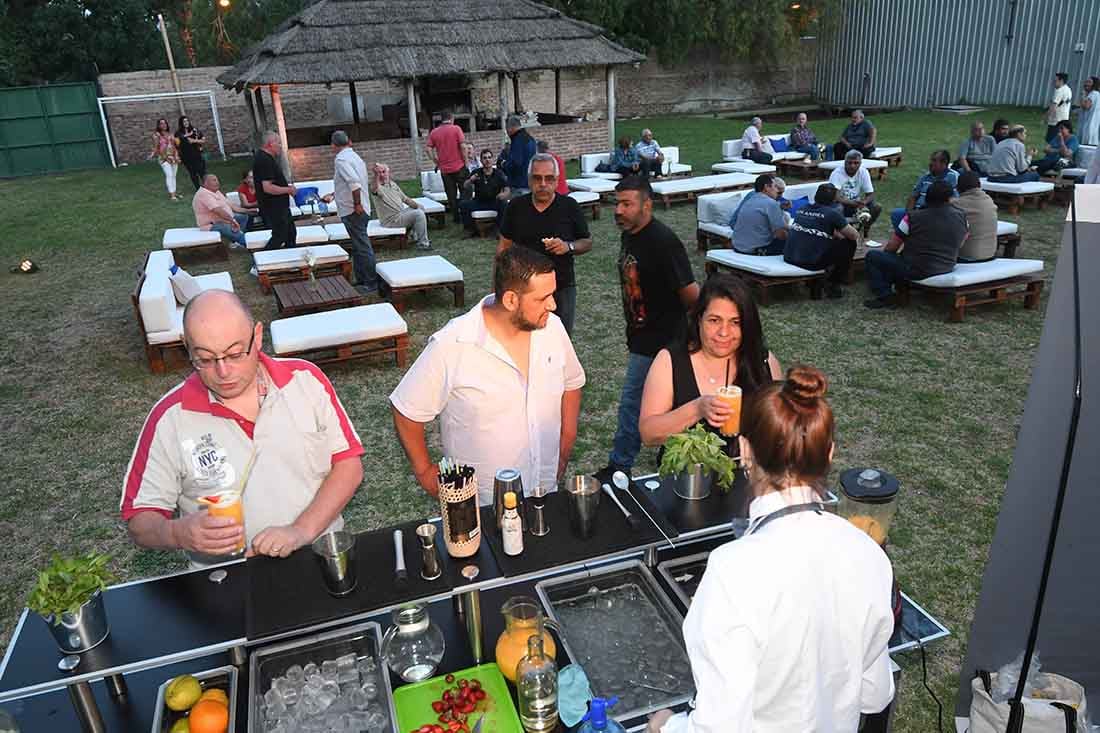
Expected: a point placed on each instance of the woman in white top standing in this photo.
(789, 628)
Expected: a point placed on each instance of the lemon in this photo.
(183, 692)
(216, 693)
(180, 726)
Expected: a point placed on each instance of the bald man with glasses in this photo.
(240, 408)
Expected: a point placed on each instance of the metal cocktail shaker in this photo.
(508, 479)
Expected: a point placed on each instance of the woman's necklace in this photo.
(711, 379)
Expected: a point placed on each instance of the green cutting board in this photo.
(414, 702)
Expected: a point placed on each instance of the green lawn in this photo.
(936, 404)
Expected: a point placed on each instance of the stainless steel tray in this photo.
(642, 660)
(269, 662)
(683, 574)
(223, 677)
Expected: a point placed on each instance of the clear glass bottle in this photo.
(414, 646)
(537, 689)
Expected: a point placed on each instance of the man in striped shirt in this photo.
(240, 409)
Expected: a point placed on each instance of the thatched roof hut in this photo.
(355, 40)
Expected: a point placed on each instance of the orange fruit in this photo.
(209, 716)
(216, 693)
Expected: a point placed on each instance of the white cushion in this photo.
(234, 198)
(432, 182)
(702, 183)
(294, 257)
(337, 232)
(971, 273)
(718, 207)
(584, 197)
(867, 164)
(430, 205)
(335, 327)
(184, 285)
(415, 271)
(324, 188)
(483, 214)
(311, 235)
(742, 166)
(436, 196)
(160, 259)
(798, 190)
(595, 185)
(789, 155)
(718, 230)
(1017, 188)
(1006, 227)
(605, 176)
(257, 239)
(731, 149)
(188, 237)
(1085, 154)
(883, 152)
(677, 169)
(1073, 172)
(375, 229)
(769, 266)
(296, 213)
(174, 329)
(156, 301)
(589, 161)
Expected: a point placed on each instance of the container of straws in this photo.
(458, 505)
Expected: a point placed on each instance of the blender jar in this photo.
(868, 499)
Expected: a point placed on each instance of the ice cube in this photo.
(329, 670)
(348, 675)
(370, 689)
(329, 693)
(295, 673)
(274, 709)
(377, 721)
(273, 695)
(358, 700)
(358, 722)
(309, 670)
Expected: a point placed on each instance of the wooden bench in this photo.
(804, 169)
(686, 189)
(764, 273)
(889, 155)
(484, 222)
(979, 283)
(1015, 196)
(191, 243)
(343, 334)
(400, 278)
(588, 201)
(383, 236)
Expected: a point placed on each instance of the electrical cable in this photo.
(924, 681)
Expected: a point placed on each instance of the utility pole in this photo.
(171, 61)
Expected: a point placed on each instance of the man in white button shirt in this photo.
(504, 381)
(349, 181)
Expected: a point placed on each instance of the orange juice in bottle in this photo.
(731, 395)
(226, 504)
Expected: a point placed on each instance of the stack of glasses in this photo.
(343, 695)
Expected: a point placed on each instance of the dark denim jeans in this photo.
(1025, 177)
(884, 269)
(566, 300)
(810, 150)
(628, 441)
(362, 254)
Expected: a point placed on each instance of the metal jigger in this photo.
(430, 568)
(538, 525)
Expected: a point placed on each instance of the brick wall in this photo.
(568, 141)
(701, 83)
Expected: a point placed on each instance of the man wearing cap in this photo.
(272, 429)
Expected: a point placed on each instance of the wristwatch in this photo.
(571, 247)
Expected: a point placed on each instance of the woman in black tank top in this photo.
(725, 341)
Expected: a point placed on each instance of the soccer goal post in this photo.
(104, 101)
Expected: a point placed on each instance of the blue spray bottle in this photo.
(596, 718)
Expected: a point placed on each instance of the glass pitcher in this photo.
(523, 618)
(414, 646)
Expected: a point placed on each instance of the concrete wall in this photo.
(702, 83)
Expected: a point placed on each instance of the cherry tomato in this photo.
(479, 694)
(449, 679)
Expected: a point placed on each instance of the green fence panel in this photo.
(50, 128)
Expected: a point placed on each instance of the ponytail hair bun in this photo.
(804, 386)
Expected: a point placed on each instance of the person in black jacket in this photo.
(190, 140)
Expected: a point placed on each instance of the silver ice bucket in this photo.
(694, 483)
(78, 632)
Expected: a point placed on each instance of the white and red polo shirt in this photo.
(192, 445)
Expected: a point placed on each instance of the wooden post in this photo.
(257, 133)
(503, 97)
(515, 91)
(354, 104)
(611, 107)
(280, 123)
(557, 91)
(261, 110)
(414, 130)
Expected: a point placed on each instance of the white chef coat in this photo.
(789, 628)
(490, 417)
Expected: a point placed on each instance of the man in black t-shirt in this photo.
(820, 238)
(490, 192)
(273, 193)
(551, 224)
(658, 288)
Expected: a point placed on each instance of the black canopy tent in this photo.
(1068, 636)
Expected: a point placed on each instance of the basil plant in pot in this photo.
(696, 459)
(68, 595)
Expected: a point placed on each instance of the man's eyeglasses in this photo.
(209, 362)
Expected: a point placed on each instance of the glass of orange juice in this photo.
(226, 504)
(731, 395)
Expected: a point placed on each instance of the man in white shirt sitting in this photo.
(855, 192)
(649, 154)
(504, 381)
(755, 146)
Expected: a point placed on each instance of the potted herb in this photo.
(69, 597)
(696, 459)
